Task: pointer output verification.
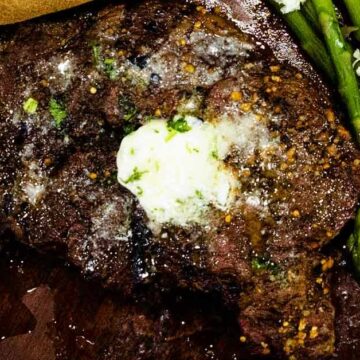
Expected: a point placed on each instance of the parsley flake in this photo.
(179, 125)
(136, 175)
(30, 106)
(96, 54)
(199, 194)
(259, 264)
(108, 65)
(128, 108)
(128, 128)
(110, 68)
(57, 111)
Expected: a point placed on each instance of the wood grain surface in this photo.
(13, 11)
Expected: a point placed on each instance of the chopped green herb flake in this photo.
(128, 108)
(139, 191)
(179, 125)
(108, 65)
(148, 118)
(57, 111)
(30, 106)
(157, 166)
(171, 134)
(135, 176)
(113, 175)
(110, 68)
(109, 61)
(132, 151)
(191, 149)
(259, 264)
(214, 154)
(199, 194)
(128, 128)
(96, 54)
(129, 116)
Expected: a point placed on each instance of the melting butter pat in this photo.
(176, 174)
(177, 170)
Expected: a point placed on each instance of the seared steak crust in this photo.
(110, 70)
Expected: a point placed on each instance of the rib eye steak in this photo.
(281, 182)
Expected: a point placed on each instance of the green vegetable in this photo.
(354, 244)
(135, 176)
(353, 7)
(341, 55)
(179, 125)
(310, 14)
(30, 106)
(57, 111)
(309, 40)
(348, 30)
(322, 14)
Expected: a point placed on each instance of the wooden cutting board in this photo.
(13, 11)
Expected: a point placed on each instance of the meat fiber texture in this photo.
(58, 181)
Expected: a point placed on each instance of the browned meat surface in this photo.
(48, 312)
(346, 292)
(47, 309)
(108, 70)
